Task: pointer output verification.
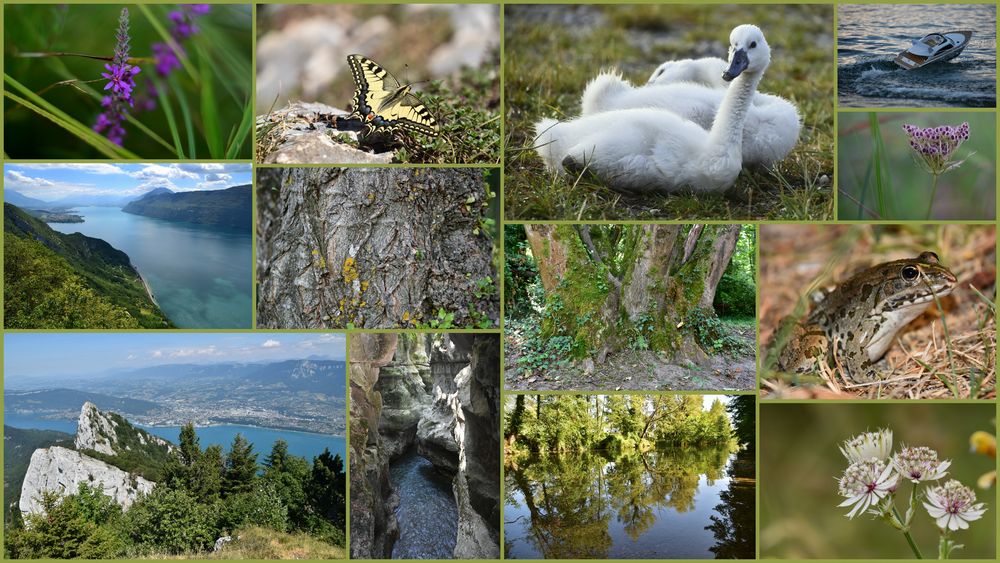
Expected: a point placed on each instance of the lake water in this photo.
(304, 444)
(670, 504)
(201, 278)
(870, 36)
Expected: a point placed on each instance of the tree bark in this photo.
(374, 248)
(665, 272)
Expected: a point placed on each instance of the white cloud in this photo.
(271, 343)
(148, 171)
(19, 179)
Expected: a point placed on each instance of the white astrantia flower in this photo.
(920, 464)
(953, 505)
(865, 483)
(869, 445)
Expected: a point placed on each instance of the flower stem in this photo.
(909, 538)
(930, 203)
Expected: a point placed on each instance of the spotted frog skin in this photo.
(857, 321)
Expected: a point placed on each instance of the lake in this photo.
(304, 444)
(201, 277)
(870, 36)
(666, 504)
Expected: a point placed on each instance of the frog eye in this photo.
(910, 273)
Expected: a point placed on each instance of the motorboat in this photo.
(932, 48)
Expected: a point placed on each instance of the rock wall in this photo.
(477, 484)
(373, 522)
(402, 384)
(456, 427)
(61, 470)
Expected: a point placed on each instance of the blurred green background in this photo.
(211, 98)
(966, 193)
(800, 462)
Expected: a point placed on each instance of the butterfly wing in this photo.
(383, 104)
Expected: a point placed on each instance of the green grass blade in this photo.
(877, 160)
(171, 120)
(39, 105)
(210, 111)
(246, 123)
(188, 124)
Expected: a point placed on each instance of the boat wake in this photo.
(879, 77)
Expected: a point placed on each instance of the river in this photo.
(869, 36)
(428, 518)
(201, 277)
(667, 504)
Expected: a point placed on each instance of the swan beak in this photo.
(739, 63)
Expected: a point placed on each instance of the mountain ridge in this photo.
(229, 208)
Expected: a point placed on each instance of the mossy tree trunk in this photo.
(615, 287)
(374, 248)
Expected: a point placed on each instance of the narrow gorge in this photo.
(425, 446)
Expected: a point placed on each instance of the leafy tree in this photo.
(169, 520)
(240, 466)
(75, 526)
(258, 506)
(743, 409)
(288, 474)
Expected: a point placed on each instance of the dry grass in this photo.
(797, 257)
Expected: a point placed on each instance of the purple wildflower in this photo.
(121, 81)
(167, 56)
(166, 59)
(935, 146)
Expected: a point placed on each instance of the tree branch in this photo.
(692, 240)
(584, 232)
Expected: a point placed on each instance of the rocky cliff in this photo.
(453, 421)
(110, 434)
(109, 453)
(61, 470)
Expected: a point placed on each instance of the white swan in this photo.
(706, 71)
(772, 125)
(656, 150)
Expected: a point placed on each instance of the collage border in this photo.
(503, 222)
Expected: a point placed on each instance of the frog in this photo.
(854, 325)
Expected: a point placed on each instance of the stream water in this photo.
(667, 504)
(428, 518)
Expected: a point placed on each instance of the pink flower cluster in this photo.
(121, 80)
(936, 145)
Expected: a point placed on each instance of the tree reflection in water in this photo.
(570, 501)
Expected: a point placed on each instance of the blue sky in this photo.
(50, 182)
(32, 355)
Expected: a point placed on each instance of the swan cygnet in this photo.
(706, 71)
(652, 150)
(772, 125)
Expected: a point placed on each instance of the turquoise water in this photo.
(305, 444)
(201, 278)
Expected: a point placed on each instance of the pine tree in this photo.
(240, 467)
(205, 481)
(189, 449)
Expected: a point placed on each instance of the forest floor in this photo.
(634, 370)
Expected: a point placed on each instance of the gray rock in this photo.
(302, 133)
(61, 470)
